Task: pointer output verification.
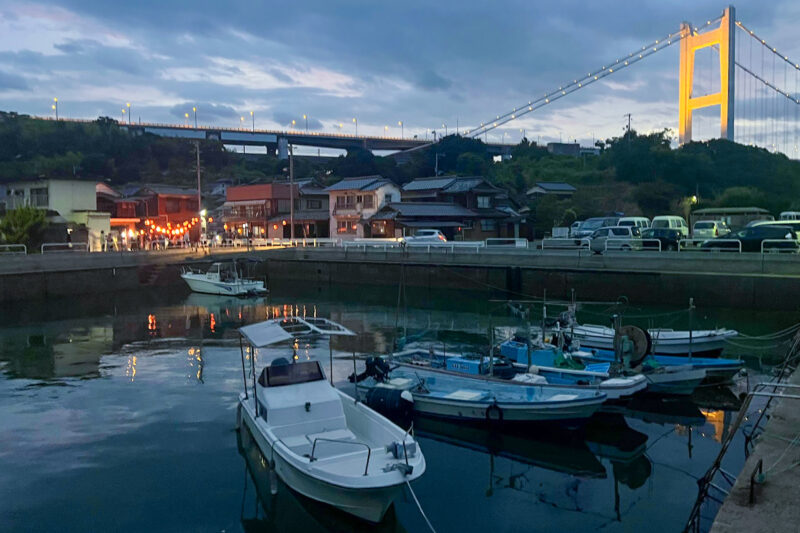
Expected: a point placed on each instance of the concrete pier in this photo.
(776, 506)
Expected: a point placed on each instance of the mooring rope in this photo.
(419, 506)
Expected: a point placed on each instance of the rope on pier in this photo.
(419, 506)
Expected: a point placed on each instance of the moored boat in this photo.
(321, 442)
(222, 278)
(478, 399)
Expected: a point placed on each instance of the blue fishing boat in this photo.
(718, 370)
(436, 392)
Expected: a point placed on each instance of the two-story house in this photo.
(353, 201)
(70, 202)
(494, 215)
(248, 209)
(311, 213)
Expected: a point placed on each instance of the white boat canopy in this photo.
(283, 329)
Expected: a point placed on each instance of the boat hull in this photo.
(682, 382)
(717, 370)
(208, 286)
(566, 414)
(368, 504)
(707, 343)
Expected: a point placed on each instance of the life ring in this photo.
(497, 417)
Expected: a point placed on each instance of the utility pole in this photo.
(629, 126)
(291, 192)
(199, 194)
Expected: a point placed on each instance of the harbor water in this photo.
(117, 413)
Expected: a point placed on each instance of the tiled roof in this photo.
(423, 209)
(556, 186)
(169, 189)
(426, 184)
(362, 183)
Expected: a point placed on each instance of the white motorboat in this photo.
(222, 278)
(704, 343)
(321, 442)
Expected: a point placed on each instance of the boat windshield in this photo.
(293, 373)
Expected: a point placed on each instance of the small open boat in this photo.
(321, 442)
(476, 398)
(222, 278)
(700, 343)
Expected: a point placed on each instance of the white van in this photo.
(790, 215)
(635, 222)
(671, 222)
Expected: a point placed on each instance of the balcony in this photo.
(347, 209)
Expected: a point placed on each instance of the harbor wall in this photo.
(713, 280)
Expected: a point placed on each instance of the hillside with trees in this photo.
(634, 174)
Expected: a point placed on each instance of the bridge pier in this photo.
(283, 148)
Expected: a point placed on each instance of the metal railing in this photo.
(695, 244)
(13, 249)
(790, 246)
(340, 441)
(622, 244)
(52, 247)
(506, 242)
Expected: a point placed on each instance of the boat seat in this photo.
(342, 446)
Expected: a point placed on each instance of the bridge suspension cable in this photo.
(583, 81)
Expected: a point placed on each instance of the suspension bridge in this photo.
(723, 64)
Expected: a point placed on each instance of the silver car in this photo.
(710, 229)
(426, 236)
(615, 238)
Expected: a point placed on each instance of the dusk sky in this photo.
(423, 63)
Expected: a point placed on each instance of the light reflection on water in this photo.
(123, 419)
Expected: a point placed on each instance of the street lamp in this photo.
(355, 121)
(195, 116)
(305, 117)
(123, 115)
(241, 123)
(128, 105)
(400, 123)
(293, 123)
(186, 119)
(55, 106)
(253, 116)
(386, 131)
(445, 128)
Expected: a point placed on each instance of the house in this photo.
(168, 210)
(496, 216)
(551, 188)
(124, 223)
(398, 219)
(353, 201)
(248, 209)
(67, 201)
(311, 214)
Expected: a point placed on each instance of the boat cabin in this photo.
(311, 410)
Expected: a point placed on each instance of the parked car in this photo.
(672, 222)
(426, 236)
(636, 222)
(753, 237)
(575, 227)
(669, 238)
(709, 229)
(615, 238)
(591, 224)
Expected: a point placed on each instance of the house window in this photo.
(488, 224)
(345, 226)
(314, 204)
(483, 201)
(387, 198)
(359, 199)
(368, 201)
(39, 197)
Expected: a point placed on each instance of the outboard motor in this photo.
(395, 404)
(376, 367)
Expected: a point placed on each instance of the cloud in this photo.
(12, 81)
(207, 113)
(285, 120)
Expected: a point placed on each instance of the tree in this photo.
(23, 225)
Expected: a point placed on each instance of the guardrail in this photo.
(695, 244)
(565, 243)
(314, 243)
(506, 242)
(13, 249)
(791, 246)
(52, 247)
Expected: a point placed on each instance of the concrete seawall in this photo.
(752, 281)
(727, 280)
